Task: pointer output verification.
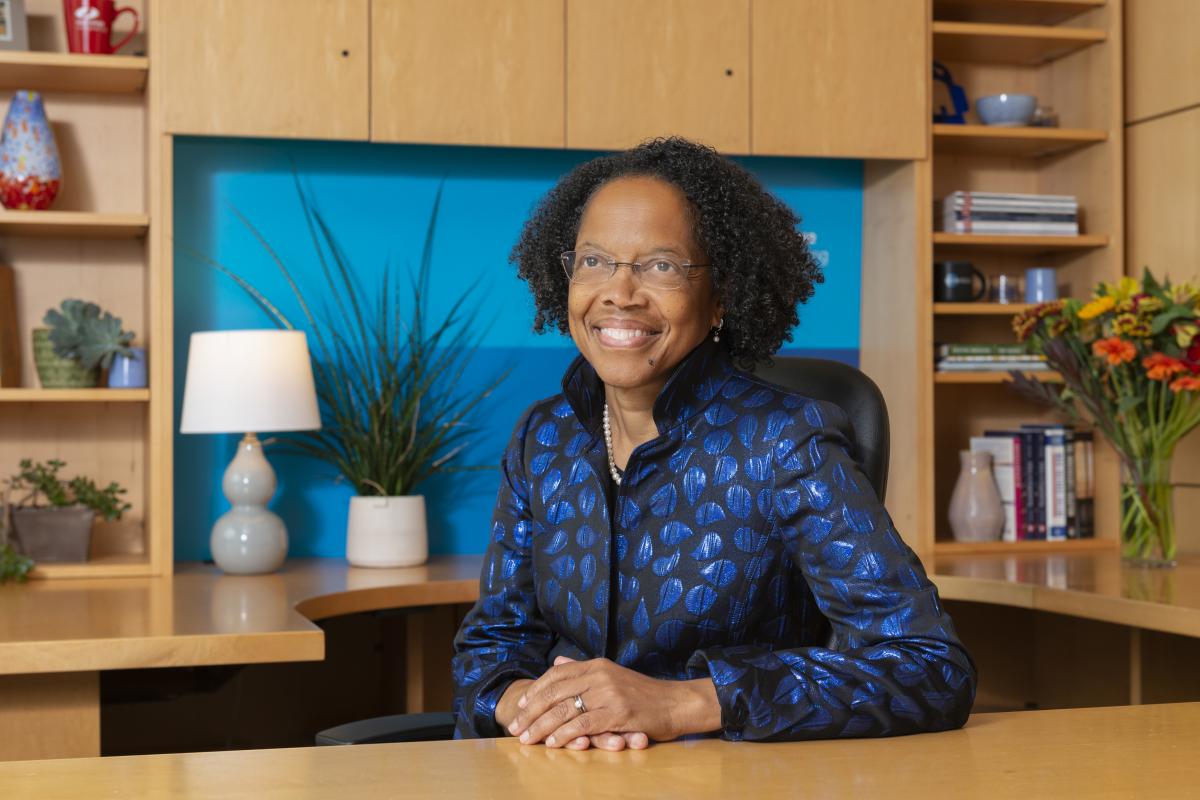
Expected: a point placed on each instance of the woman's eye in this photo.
(591, 261)
(662, 266)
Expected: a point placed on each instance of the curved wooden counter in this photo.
(1093, 586)
(203, 617)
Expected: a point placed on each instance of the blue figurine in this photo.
(958, 97)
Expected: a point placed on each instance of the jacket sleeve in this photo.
(897, 666)
(503, 637)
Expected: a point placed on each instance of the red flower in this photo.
(1114, 349)
(1186, 383)
(1160, 367)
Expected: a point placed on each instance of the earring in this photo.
(717, 330)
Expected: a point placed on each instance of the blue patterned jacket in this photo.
(746, 545)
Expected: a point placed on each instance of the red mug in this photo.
(89, 25)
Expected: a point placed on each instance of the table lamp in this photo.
(249, 382)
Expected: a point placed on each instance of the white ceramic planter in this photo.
(387, 532)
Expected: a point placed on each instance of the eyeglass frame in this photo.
(636, 267)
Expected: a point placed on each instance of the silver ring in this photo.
(579, 704)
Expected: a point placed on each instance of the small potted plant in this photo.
(79, 342)
(51, 517)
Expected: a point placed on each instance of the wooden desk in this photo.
(56, 636)
(1132, 751)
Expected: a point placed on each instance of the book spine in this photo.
(982, 350)
(1018, 488)
(1055, 475)
(1069, 470)
(1028, 228)
(1010, 216)
(1085, 508)
(1029, 454)
(1012, 197)
(1039, 485)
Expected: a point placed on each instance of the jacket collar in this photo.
(693, 382)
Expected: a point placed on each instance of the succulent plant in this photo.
(79, 331)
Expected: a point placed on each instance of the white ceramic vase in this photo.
(976, 511)
(387, 532)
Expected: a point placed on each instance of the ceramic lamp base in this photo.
(249, 539)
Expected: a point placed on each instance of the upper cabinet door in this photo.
(486, 72)
(638, 69)
(846, 78)
(288, 68)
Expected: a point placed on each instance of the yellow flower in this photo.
(1097, 307)
(1130, 325)
(1185, 294)
(1185, 332)
(1125, 288)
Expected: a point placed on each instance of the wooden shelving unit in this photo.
(100, 243)
(1067, 53)
(72, 72)
(1019, 244)
(990, 140)
(1046, 376)
(1018, 12)
(948, 548)
(980, 309)
(73, 224)
(1020, 45)
(74, 395)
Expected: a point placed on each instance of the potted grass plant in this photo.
(52, 517)
(387, 378)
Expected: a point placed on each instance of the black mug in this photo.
(953, 282)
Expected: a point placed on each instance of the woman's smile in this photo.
(625, 334)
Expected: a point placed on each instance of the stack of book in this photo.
(986, 358)
(1045, 474)
(1004, 213)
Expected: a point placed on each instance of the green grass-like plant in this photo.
(392, 414)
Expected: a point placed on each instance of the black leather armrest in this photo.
(430, 727)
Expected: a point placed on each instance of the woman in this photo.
(679, 547)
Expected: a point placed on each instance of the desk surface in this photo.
(200, 616)
(1131, 751)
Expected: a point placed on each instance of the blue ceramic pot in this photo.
(1006, 110)
(128, 372)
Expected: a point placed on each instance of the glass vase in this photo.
(1147, 512)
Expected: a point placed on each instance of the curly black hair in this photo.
(761, 265)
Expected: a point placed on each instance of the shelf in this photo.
(981, 309)
(72, 72)
(115, 566)
(1021, 244)
(960, 378)
(73, 224)
(1013, 12)
(1028, 45)
(74, 395)
(1024, 142)
(1023, 546)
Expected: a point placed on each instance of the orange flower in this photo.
(1159, 367)
(1186, 383)
(1115, 349)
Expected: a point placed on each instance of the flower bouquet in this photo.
(1130, 365)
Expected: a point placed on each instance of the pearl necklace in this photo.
(608, 446)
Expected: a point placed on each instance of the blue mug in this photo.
(1041, 285)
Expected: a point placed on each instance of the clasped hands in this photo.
(623, 708)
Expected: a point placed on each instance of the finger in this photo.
(540, 703)
(563, 660)
(579, 743)
(609, 741)
(560, 671)
(554, 718)
(637, 740)
(586, 724)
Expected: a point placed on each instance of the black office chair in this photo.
(820, 379)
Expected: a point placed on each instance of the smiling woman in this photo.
(678, 546)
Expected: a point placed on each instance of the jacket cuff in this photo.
(712, 663)
(476, 716)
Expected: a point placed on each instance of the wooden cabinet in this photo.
(1162, 67)
(287, 68)
(481, 72)
(840, 78)
(671, 67)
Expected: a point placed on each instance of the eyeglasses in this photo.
(660, 272)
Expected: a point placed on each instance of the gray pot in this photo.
(50, 535)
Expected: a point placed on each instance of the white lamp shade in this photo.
(249, 382)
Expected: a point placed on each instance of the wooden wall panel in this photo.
(468, 72)
(1162, 61)
(284, 68)
(636, 70)
(846, 78)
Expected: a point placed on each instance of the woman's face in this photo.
(630, 220)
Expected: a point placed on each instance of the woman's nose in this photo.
(622, 288)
